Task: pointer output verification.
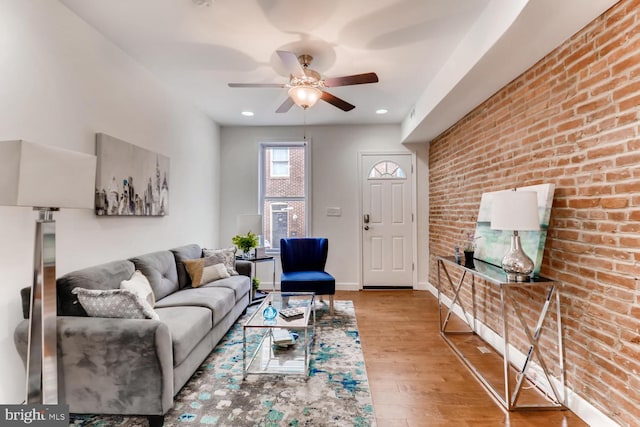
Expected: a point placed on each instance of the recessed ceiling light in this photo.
(382, 111)
(247, 113)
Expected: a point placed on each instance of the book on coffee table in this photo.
(292, 313)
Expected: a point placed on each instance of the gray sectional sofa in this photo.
(137, 366)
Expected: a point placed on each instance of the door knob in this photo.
(366, 227)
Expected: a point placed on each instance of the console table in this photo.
(496, 277)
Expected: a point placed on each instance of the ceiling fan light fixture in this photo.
(305, 96)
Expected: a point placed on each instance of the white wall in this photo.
(60, 83)
(335, 183)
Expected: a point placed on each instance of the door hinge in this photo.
(412, 168)
(411, 217)
(413, 266)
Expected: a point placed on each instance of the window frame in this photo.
(262, 184)
(280, 162)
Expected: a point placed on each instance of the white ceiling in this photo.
(413, 45)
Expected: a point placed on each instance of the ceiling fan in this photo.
(306, 85)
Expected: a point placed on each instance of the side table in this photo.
(259, 296)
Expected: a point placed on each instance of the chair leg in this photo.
(331, 305)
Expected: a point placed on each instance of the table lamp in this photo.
(251, 223)
(45, 178)
(516, 211)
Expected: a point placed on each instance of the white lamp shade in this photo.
(515, 211)
(38, 175)
(305, 96)
(252, 223)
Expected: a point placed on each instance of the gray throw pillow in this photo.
(227, 256)
(114, 303)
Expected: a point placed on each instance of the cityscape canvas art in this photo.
(492, 245)
(130, 180)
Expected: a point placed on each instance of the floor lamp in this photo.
(250, 223)
(47, 179)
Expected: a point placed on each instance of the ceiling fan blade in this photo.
(356, 79)
(337, 102)
(290, 60)
(280, 85)
(286, 105)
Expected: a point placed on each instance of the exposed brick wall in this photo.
(571, 120)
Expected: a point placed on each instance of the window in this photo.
(284, 186)
(279, 162)
(387, 170)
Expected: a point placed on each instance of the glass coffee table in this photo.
(267, 357)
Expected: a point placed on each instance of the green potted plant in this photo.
(245, 243)
(256, 285)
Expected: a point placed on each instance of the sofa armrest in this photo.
(111, 366)
(244, 267)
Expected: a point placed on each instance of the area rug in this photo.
(335, 394)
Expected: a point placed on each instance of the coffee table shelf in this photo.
(269, 358)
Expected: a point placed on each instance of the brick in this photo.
(614, 202)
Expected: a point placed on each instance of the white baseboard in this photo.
(345, 286)
(577, 404)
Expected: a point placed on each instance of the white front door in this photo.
(387, 229)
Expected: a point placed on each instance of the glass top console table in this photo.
(515, 369)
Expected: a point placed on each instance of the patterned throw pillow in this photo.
(139, 285)
(114, 303)
(228, 255)
(205, 270)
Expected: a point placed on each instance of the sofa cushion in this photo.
(160, 269)
(180, 254)
(187, 325)
(103, 276)
(217, 299)
(240, 285)
(114, 303)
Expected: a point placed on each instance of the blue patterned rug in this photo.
(335, 394)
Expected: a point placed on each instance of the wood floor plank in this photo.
(415, 378)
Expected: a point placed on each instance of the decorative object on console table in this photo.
(469, 249)
(495, 243)
(130, 180)
(516, 211)
(45, 178)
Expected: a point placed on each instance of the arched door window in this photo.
(387, 169)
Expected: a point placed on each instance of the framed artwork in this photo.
(492, 245)
(130, 180)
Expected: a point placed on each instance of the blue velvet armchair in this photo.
(303, 262)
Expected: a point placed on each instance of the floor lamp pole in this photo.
(42, 358)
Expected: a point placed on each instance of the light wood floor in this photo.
(415, 378)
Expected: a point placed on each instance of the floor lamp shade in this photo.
(516, 211)
(45, 178)
(38, 175)
(249, 223)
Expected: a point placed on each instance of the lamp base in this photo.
(516, 263)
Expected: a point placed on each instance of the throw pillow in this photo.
(118, 303)
(200, 270)
(139, 285)
(214, 272)
(194, 268)
(229, 256)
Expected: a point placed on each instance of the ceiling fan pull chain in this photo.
(304, 124)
